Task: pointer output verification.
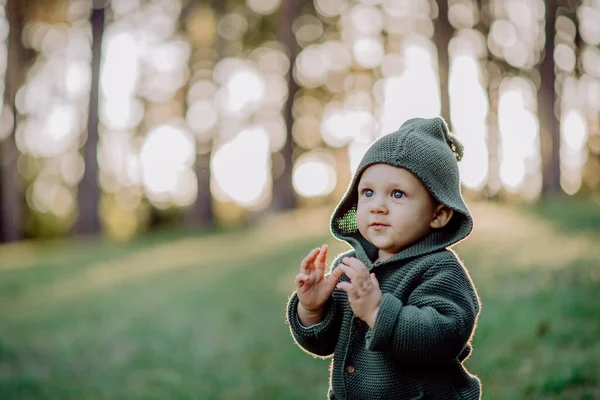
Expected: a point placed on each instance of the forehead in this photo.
(383, 173)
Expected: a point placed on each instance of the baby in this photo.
(398, 311)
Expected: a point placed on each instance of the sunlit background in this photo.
(166, 164)
(181, 80)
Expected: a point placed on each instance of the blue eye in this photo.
(368, 193)
(397, 194)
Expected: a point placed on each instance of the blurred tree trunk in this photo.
(442, 36)
(202, 212)
(549, 123)
(203, 208)
(89, 192)
(284, 196)
(11, 195)
(493, 184)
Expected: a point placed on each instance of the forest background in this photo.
(165, 165)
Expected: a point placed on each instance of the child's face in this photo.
(394, 208)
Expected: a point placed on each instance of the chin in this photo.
(389, 248)
(385, 247)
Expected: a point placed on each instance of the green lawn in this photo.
(204, 317)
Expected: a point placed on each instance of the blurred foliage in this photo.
(185, 81)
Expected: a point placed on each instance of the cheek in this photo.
(360, 216)
(401, 217)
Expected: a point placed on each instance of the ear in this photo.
(441, 216)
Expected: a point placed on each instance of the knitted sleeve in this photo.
(320, 339)
(437, 321)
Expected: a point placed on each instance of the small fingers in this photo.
(356, 271)
(335, 275)
(349, 271)
(355, 264)
(374, 280)
(308, 260)
(345, 286)
(322, 257)
(301, 279)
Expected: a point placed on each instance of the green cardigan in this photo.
(429, 308)
(419, 341)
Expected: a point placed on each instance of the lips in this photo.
(378, 225)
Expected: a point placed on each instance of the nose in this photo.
(378, 206)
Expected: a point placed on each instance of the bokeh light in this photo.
(166, 157)
(242, 89)
(415, 93)
(181, 84)
(574, 137)
(469, 108)
(519, 142)
(264, 7)
(368, 52)
(314, 174)
(241, 168)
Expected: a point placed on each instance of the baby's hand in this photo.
(312, 287)
(363, 290)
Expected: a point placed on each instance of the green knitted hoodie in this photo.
(429, 308)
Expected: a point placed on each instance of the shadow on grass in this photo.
(183, 334)
(569, 214)
(542, 341)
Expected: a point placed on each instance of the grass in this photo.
(203, 317)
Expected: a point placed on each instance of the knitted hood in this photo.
(429, 151)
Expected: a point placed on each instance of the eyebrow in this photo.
(396, 184)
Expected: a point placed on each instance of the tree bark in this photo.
(549, 123)
(284, 196)
(89, 192)
(11, 196)
(443, 34)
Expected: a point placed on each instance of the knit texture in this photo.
(426, 148)
(429, 308)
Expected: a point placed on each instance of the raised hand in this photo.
(312, 287)
(363, 290)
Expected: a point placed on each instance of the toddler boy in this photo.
(398, 311)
